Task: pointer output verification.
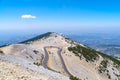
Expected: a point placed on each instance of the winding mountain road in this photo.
(45, 60)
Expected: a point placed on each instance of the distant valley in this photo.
(106, 43)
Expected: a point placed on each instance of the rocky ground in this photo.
(11, 71)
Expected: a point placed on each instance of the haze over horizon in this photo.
(59, 16)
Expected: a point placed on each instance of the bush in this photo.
(36, 63)
(74, 78)
(35, 51)
(109, 76)
(1, 52)
(103, 66)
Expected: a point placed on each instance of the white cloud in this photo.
(28, 16)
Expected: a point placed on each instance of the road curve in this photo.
(45, 60)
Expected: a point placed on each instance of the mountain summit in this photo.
(56, 57)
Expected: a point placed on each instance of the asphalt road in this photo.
(45, 60)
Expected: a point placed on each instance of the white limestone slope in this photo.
(11, 71)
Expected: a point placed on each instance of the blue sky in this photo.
(60, 15)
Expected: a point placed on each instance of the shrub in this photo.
(109, 76)
(36, 63)
(1, 52)
(35, 51)
(74, 78)
(103, 66)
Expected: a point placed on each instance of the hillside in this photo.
(57, 57)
